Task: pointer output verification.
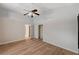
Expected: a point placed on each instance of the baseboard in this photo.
(10, 41)
(63, 47)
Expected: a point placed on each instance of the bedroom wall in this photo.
(12, 25)
(60, 27)
(0, 29)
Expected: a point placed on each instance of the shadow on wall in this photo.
(11, 29)
(3, 11)
(44, 14)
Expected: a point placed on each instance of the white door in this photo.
(27, 31)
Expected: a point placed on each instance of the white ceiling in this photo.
(40, 6)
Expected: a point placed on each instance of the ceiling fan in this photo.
(32, 13)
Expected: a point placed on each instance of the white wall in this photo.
(12, 25)
(60, 27)
(1, 29)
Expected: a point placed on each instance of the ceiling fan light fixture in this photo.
(32, 13)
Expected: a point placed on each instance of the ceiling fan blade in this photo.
(37, 14)
(26, 14)
(26, 10)
(35, 10)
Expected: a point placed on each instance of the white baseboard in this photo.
(63, 47)
(10, 41)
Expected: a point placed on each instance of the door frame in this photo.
(29, 33)
(39, 32)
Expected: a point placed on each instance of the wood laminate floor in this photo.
(32, 47)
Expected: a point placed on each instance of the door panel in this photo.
(27, 31)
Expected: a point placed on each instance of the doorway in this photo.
(27, 31)
(40, 32)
